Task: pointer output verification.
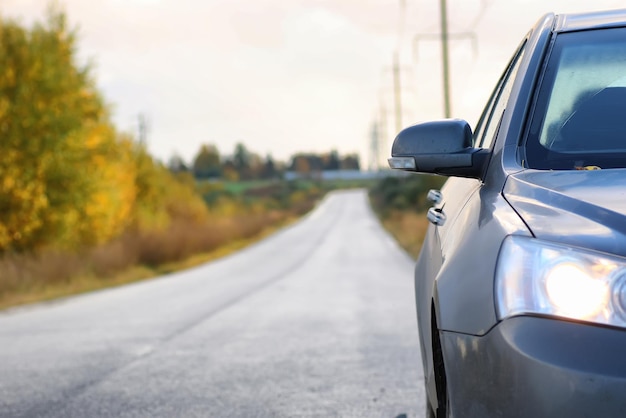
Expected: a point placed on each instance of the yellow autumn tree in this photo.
(162, 198)
(65, 178)
(22, 189)
(111, 200)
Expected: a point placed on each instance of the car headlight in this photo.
(537, 277)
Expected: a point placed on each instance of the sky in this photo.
(287, 76)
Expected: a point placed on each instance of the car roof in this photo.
(581, 21)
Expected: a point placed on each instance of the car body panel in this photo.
(585, 21)
(439, 279)
(466, 275)
(579, 208)
(567, 369)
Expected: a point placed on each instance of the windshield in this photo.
(580, 119)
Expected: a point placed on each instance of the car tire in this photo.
(440, 370)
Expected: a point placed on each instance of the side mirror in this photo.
(441, 147)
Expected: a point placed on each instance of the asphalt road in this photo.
(318, 320)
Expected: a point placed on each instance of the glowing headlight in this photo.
(536, 277)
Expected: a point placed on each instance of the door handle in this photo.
(434, 196)
(436, 216)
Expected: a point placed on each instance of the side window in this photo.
(489, 122)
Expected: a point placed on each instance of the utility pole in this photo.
(396, 71)
(374, 147)
(382, 132)
(394, 103)
(444, 37)
(397, 87)
(445, 58)
(397, 91)
(143, 130)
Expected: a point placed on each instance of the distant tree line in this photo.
(309, 164)
(244, 164)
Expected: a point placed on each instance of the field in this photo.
(239, 214)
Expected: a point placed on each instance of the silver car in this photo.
(521, 282)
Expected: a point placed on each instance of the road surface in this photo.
(315, 321)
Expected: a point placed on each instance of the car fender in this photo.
(463, 293)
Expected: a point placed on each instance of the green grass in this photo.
(240, 187)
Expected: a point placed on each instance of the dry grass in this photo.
(26, 278)
(408, 228)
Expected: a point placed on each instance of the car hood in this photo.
(581, 208)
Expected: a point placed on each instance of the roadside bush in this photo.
(400, 203)
(404, 193)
